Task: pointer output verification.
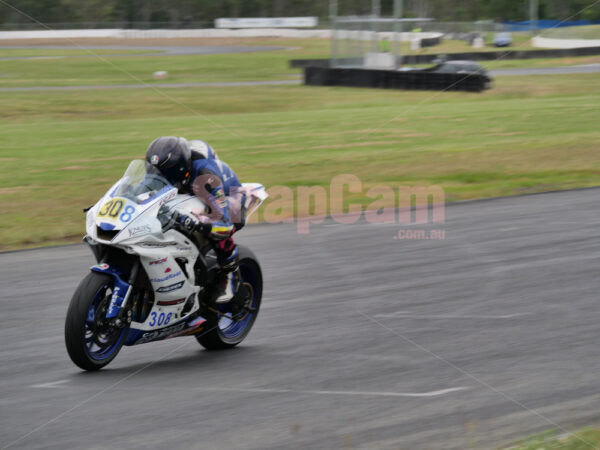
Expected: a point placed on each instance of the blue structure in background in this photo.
(525, 25)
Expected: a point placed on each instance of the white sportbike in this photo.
(153, 280)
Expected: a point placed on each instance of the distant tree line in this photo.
(182, 12)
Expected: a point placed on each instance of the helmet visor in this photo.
(176, 174)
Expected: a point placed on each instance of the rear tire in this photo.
(222, 332)
(91, 345)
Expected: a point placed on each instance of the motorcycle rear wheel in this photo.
(91, 343)
(225, 330)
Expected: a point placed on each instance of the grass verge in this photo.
(106, 69)
(577, 32)
(585, 439)
(70, 52)
(61, 150)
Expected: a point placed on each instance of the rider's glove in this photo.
(220, 231)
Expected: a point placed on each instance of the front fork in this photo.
(118, 314)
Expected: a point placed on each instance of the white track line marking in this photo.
(450, 316)
(53, 384)
(317, 392)
(391, 394)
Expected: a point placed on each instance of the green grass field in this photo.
(58, 52)
(585, 439)
(61, 150)
(86, 69)
(578, 32)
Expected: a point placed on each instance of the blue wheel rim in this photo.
(92, 349)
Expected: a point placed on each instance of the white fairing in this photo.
(130, 222)
(255, 195)
(142, 235)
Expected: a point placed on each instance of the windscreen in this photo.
(141, 183)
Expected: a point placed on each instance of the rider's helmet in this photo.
(172, 157)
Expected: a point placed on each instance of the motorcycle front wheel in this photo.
(91, 342)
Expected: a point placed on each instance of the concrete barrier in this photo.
(60, 34)
(165, 34)
(544, 42)
(427, 39)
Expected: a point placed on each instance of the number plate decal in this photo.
(112, 208)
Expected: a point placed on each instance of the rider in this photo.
(193, 167)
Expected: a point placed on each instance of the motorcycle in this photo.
(154, 280)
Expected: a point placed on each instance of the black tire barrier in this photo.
(431, 41)
(472, 56)
(390, 79)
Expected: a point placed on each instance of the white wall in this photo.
(164, 34)
(564, 43)
(53, 34)
(267, 22)
(200, 33)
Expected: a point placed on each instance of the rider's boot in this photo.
(230, 275)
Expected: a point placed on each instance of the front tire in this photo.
(221, 331)
(91, 343)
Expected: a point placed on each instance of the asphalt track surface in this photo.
(364, 341)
